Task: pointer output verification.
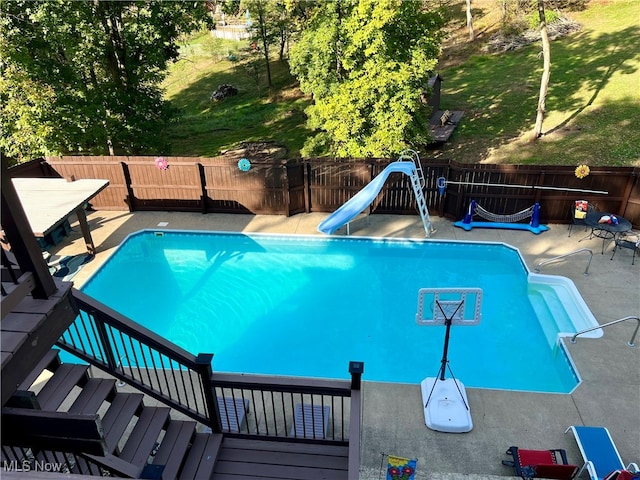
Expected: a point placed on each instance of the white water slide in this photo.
(409, 164)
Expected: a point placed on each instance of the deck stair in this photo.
(140, 441)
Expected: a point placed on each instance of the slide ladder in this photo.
(421, 202)
(418, 183)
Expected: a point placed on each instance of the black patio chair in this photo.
(578, 213)
(630, 240)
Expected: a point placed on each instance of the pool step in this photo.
(542, 312)
(557, 298)
(549, 308)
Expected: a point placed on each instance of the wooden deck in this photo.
(242, 459)
(127, 433)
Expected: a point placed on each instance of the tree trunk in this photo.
(472, 34)
(546, 71)
(283, 43)
(111, 20)
(505, 14)
(260, 9)
(339, 44)
(265, 46)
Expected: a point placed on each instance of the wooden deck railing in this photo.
(133, 354)
(270, 405)
(126, 350)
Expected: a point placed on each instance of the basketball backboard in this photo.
(461, 305)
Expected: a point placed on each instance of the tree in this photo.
(365, 62)
(264, 27)
(472, 34)
(84, 77)
(229, 7)
(273, 22)
(546, 71)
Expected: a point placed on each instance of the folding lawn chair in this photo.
(540, 463)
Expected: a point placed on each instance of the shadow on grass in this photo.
(592, 63)
(257, 113)
(500, 93)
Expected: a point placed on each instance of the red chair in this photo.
(541, 463)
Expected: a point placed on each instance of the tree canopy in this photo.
(84, 77)
(366, 62)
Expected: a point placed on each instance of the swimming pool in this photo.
(307, 305)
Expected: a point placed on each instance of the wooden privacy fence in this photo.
(189, 184)
(287, 187)
(506, 189)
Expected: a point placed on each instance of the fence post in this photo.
(306, 179)
(286, 194)
(353, 467)
(538, 194)
(461, 200)
(203, 187)
(127, 180)
(203, 361)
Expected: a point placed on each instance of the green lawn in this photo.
(593, 105)
(257, 113)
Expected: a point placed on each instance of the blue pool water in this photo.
(307, 305)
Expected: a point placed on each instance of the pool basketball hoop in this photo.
(446, 408)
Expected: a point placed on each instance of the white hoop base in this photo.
(446, 410)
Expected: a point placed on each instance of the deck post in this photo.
(23, 243)
(356, 369)
(203, 361)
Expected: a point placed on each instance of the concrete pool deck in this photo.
(393, 422)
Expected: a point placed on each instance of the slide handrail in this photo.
(412, 156)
